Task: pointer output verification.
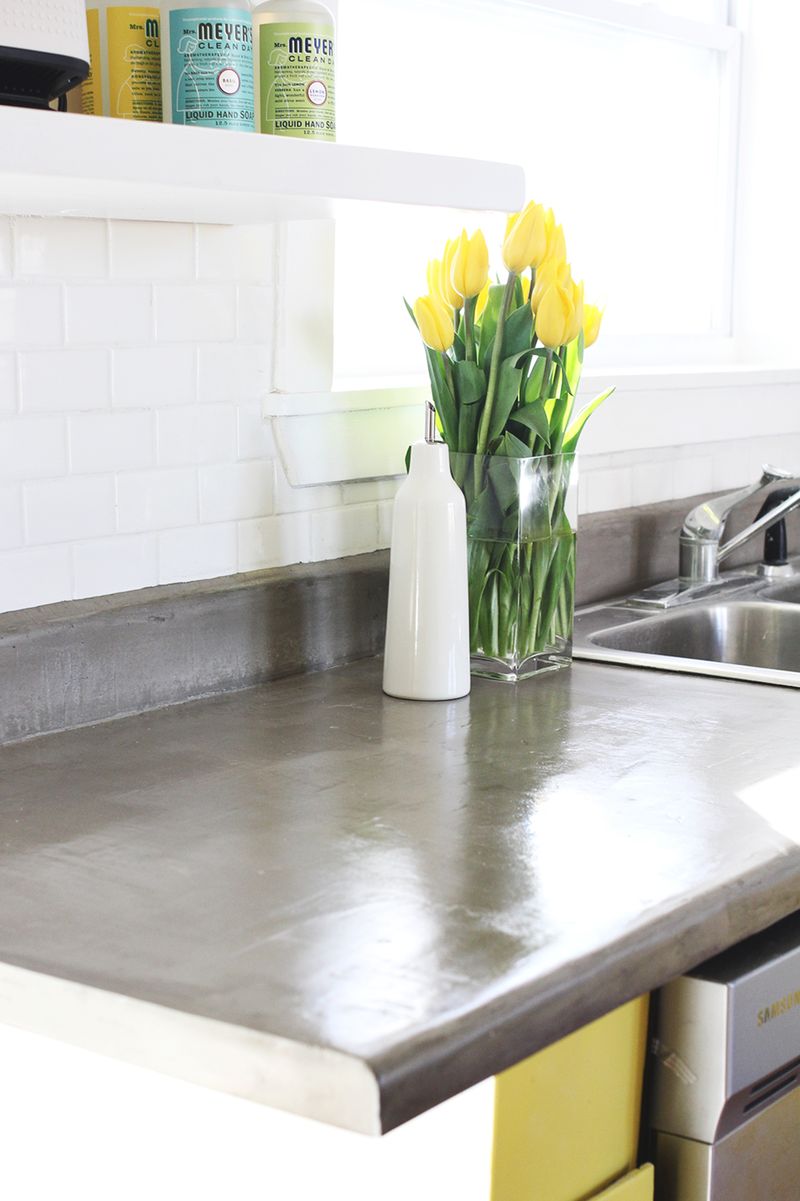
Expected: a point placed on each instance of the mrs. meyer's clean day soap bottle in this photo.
(295, 69)
(125, 54)
(207, 64)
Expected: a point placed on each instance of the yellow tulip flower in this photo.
(434, 278)
(525, 242)
(576, 324)
(554, 236)
(449, 294)
(552, 271)
(555, 316)
(470, 269)
(592, 320)
(481, 302)
(435, 321)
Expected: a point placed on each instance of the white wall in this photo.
(134, 358)
(768, 250)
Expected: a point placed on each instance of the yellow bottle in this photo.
(125, 53)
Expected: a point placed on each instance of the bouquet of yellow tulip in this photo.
(504, 362)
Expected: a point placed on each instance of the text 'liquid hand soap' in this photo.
(207, 64)
(125, 55)
(295, 69)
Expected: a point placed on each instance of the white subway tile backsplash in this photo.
(109, 314)
(349, 531)
(37, 576)
(229, 371)
(65, 380)
(651, 482)
(45, 246)
(31, 315)
(610, 489)
(289, 499)
(111, 441)
(255, 439)
(156, 500)
(195, 312)
(11, 524)
(733, 468)
(240, 252)
(151, 376)
(274, 541)
(693, 476)
(6, 249)
(115, 565)
(200, 434)
(69, 509)
(8, 383)
(152, 250)
(255, 313)
(363, 491)
(199, 553)
(234, 491)
(32, 447)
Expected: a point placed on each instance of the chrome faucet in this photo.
(701, 546)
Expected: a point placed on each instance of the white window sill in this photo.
(363, 433)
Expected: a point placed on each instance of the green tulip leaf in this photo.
(518, 331)
(508, 382)
(534, 417)
(408, 460)
(470, 383)
(487, 329)
(533, 384)
(410, 312)
(512, 447)
(443, 399)
(574, 432)
(468, 420)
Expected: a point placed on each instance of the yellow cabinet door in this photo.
(567, 1119)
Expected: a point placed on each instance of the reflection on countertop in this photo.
(433, 891)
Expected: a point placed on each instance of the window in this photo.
(623, 114)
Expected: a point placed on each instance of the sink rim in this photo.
(586, 646)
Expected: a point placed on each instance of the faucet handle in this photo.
(771, 474)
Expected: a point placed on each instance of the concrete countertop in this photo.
(354, 907)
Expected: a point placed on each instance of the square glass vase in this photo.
(522, 519)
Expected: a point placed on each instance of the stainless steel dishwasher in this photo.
(725, 1101)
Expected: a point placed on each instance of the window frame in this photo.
(303, 372)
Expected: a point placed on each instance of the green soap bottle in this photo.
(294, 43)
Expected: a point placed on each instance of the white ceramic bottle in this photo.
(427, 627)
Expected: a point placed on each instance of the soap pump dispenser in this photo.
(427, 628)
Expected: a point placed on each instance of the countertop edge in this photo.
(313, 1082)
(517, 1025)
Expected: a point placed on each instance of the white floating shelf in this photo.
(63, 164)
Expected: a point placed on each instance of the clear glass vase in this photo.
(521, 522)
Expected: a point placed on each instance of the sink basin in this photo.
(745, 639)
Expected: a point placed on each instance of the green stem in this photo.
(469, 327)
(494, 370)
(548, 367)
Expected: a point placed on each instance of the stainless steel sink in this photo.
(743, 624)
(789, 591)
(752, 636)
